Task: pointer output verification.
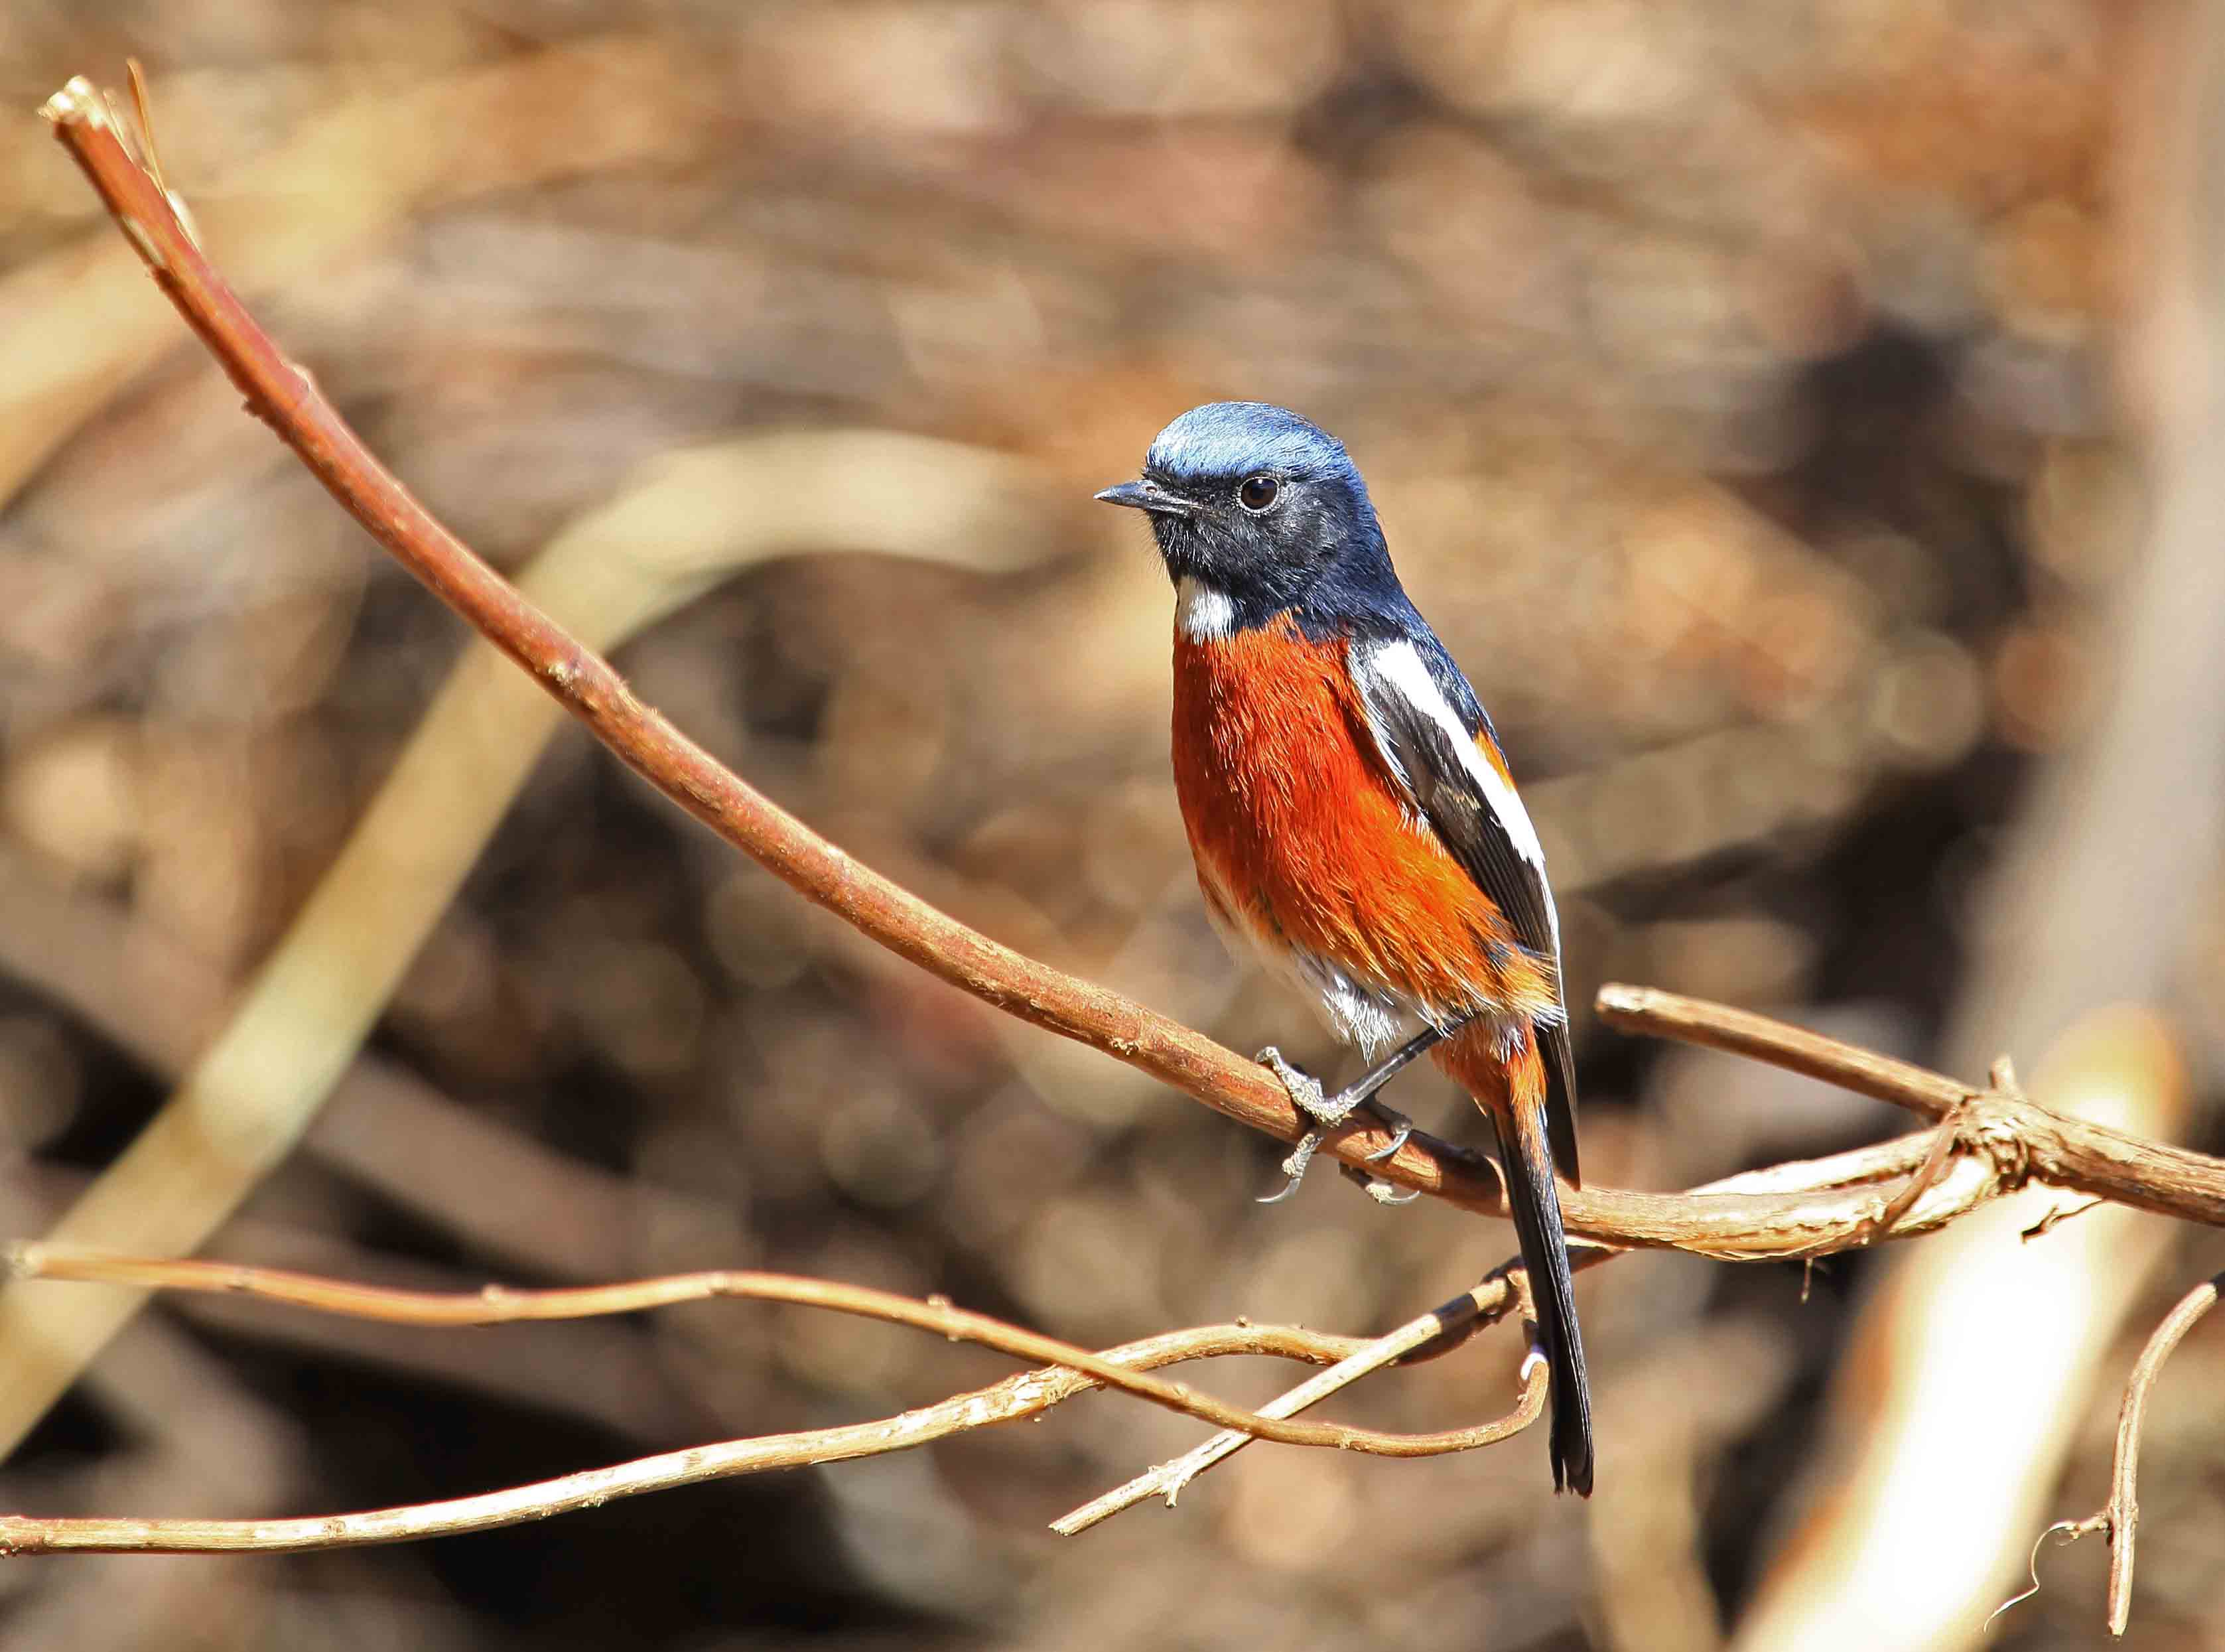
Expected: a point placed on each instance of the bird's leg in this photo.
(1329, 1111)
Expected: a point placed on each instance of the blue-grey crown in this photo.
(1224, 440)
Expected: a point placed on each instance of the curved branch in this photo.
(1026, 1394)
(499, 1304)
(1506, 1290)
(2123, 1512)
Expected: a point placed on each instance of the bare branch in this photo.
(500, 1305)
(2029, 1143)
(2118, 1519)
(1486, 1303)
(1507, 1288)
(1074, 1370)
(2123, 1512)
(1027, 1393)
(1740, 1032)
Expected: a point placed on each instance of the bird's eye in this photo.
(1258, 493)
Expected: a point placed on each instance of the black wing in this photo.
(1427, 722)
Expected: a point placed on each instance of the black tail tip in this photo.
(1571, 1438)
(1572, 1471)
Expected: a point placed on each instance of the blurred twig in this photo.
(70, 326)
(384, 1126)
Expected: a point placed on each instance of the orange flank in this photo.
(1513, 1083)
(1303, 839)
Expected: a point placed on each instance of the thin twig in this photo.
(1739, 1032)
(1943, 1145)
(2118, 1519)
(1502, 1291)
(499, 1304)
(1486, 1302)
(1026, 1394)
(2123, 1514)
(1075, 1371)
(2056, 1216)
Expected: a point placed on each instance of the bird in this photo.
(1354, 822)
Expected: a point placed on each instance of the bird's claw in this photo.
(1386, 1194)
(1295, 1167)
(1329, 1111)
(1401, 1127)
(1304, 1089)
(1375, 1187)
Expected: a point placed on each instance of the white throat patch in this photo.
(1201, 614)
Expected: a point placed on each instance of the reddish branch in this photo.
(285, 398)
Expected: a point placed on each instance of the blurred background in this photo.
(1801, 418)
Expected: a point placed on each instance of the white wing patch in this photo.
(1399, 664)
(1201, 614)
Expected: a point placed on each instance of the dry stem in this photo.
(1075, 1371)
(1920, 1157)
(500, 1305)
(2031, 1142)
(1486, 1303)
(1025, 1394)
(2120, 1518)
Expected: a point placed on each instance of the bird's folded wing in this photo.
(1434, 735)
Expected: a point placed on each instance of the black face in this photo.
(1263, 534)
(1254, 503)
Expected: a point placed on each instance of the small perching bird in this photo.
(1353, 820)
